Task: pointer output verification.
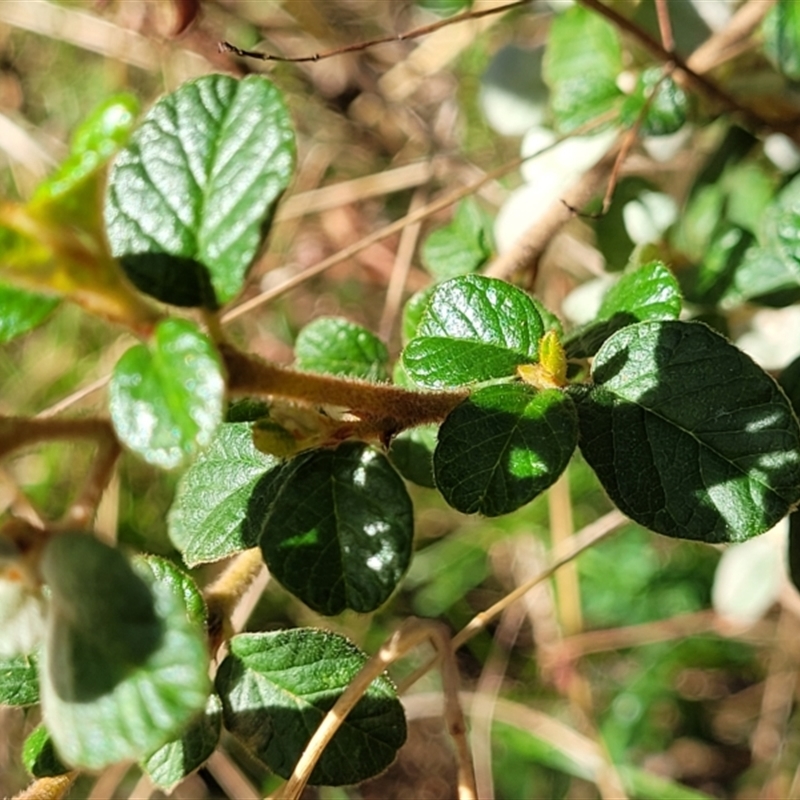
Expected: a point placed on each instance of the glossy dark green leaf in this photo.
(39, 755)
(461, 247)
(689, 437)
(22, 311)
(276, 689)
(473, 329)
(335, 526)
(647, 292)
(581, 64)
(206, 519)
(666, 112)
(124, 667)
(503, 446)
(191, 196)
(782, 37)
(170, 764)
(19, 682)
(166, 400)
(412, 453)
(337, 346)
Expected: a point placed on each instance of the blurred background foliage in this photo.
(630, 652)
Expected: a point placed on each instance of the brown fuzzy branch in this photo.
(390, 408)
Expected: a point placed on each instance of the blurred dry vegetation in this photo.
(629, 661)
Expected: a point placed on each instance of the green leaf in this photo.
(206, 519)
(191, 197)
(647, 292)
(166, 400)
(699, 221)
(444, 8)
(412, 453)
(335, 526)
(715, 276)
(581, 64)
(688, 436)
(19, 684)
(782, 37)
(276, 689)
(336, 346)
(39, 755)
(21, 311)
(182, 584)
(750, 188)
(170, 764)
(461, 247)
(413, 310)
(773, 266)
(473, 329)
(73, 193)
(124, 669)
(503, 446)
(667, 110)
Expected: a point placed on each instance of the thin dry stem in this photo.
(582, 541)
(559, 504)
(752, 118)
(666, 630)
(358, 189)
(526, 252)
(230, 777)
(400, 269)
(359, 46)
(733, 39)
(412, 633)
(97, 35)
(578, 749)
(486, 693)
(362, 244)
(665, 25)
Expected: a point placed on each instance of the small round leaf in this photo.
(503, 446)
(206, 519)
(167, 399)
(276, 689)
(335, 526)
(689, 437)
(473, 329)
(337, 346)
(190, 198)
(124, 666)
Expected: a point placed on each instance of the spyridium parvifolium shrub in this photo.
(489, 401)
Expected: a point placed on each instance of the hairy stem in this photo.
(391, 408)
